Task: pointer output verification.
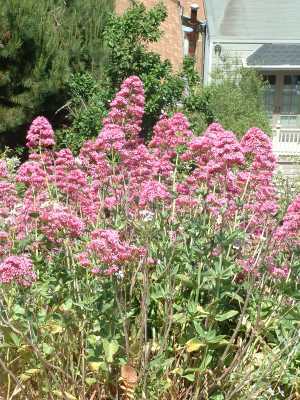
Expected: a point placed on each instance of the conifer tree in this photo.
(41, 44)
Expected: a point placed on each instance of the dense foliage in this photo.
(127, 37)
(234, 98)
(67, 59)
(87, 105)
(166, 271)
(41, 44)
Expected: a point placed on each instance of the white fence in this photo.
(286, 141)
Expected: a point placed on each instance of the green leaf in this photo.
(205, 362)
(93, 340)
(193, 345)
(15, 338)
(201, 310)
(185, 280)
(19, 310)
(217, 396)
(226, 315)
(234, 296)
(47, 349)
(110, 349)
(107, 306)
(64, 395)
(201, 332)
(29, 374)
(90, 381)
(22, 244)
(177, 371)
(94, 366)
(180, 318)
(67, 306)
(54, 328)
(189, 377)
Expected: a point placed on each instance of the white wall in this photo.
(230, 52)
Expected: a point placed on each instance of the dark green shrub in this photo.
(127, 37)
(234, 98)
(41, 44)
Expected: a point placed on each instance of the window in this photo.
(269, 95)
(291, 94)
(290, 108)
(282, 99)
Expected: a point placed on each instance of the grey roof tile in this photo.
(275, 54)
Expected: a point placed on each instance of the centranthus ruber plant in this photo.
(174, 258)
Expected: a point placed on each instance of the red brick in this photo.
(170, 46)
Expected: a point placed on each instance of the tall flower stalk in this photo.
(170, 249)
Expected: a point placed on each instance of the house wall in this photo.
(171, 44)
(288, 167)
(235, 53)
(286, 141)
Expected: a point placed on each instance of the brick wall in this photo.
(170, 45)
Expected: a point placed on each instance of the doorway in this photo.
(282, 99)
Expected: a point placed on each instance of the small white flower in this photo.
(78, 161)
(147, 215)
(119, 274)
(271, 391)
(219, 219)
(12, 164)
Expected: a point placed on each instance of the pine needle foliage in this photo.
(41, 44)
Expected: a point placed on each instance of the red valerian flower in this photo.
(17, 269)
(40, 134)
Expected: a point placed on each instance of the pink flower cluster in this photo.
(152, 191)
(3, 169)
(32, 174)
(171, 133)
(4, 243)
(40, 134)
(67, 197)
(261, 193)
(111, 138)
(217, 155)
(289, 231)
(127, 109)
(275, 270)
(215, 152)
(106, 253)
(17, 269)
(58, 223)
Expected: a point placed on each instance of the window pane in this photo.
(270, 79)
(287, 80)
(291, 95)
(269, 94)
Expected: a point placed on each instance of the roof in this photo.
(270, 20)
(275, 54)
